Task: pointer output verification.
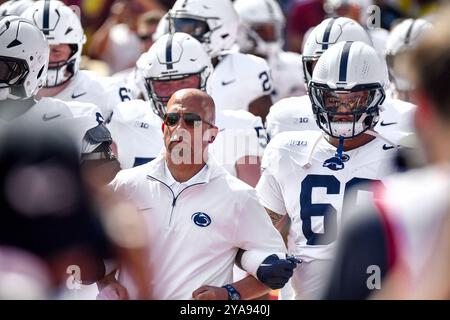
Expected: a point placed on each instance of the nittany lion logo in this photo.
(336, 163)
(201, 219)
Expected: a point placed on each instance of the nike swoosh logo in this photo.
(383, 124)
(47, 118)
(225, 83)
(387, 147)
(221, 130)
(75, 96)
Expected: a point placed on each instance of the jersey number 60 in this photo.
(326, 210)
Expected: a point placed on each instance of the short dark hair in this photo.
(151, 17)
(430, 65)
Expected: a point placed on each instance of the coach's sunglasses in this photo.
(191, 119)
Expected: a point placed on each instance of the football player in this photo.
(65, 81)
(404, 220)
(174, 62)
(261, 34)
(307, 175)
(239, 81)
(296, 113)
(24, 54)
(403, 38)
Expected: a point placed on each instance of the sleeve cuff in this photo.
(251, 260)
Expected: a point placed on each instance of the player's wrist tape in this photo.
(233, 294)
(251, 260)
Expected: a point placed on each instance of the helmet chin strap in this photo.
(337, 162)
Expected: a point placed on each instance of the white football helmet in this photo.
(162, 28)
(329, 32)
(15, 7)
(259, 17)
(353, 76)
(403, 38)
(212, 22)
(172, 57)
(24, 56)
(60, 25)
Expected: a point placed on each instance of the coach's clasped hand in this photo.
(275, 272)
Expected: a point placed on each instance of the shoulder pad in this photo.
(98, 134)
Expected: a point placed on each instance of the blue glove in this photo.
(275, 272)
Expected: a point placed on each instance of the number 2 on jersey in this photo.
(326, 210)
(266, 83)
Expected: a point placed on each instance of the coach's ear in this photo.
(211, 134)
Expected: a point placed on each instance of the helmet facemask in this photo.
(59, 72)
(266, 38)
(160, 89)
(13, 72)
(308, 66)
(198, 27)
(361, 104)
(398, 71)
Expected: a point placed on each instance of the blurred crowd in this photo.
(112, 25)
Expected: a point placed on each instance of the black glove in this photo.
(275, 272)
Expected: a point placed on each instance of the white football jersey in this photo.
(130, 79)
(290, 114)
(136, 131)
(396, 120)
(240, 134)
(73, 117)
(295, 181)
(287, 75)
(104, 92)
(295, 114)
(238, 79)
